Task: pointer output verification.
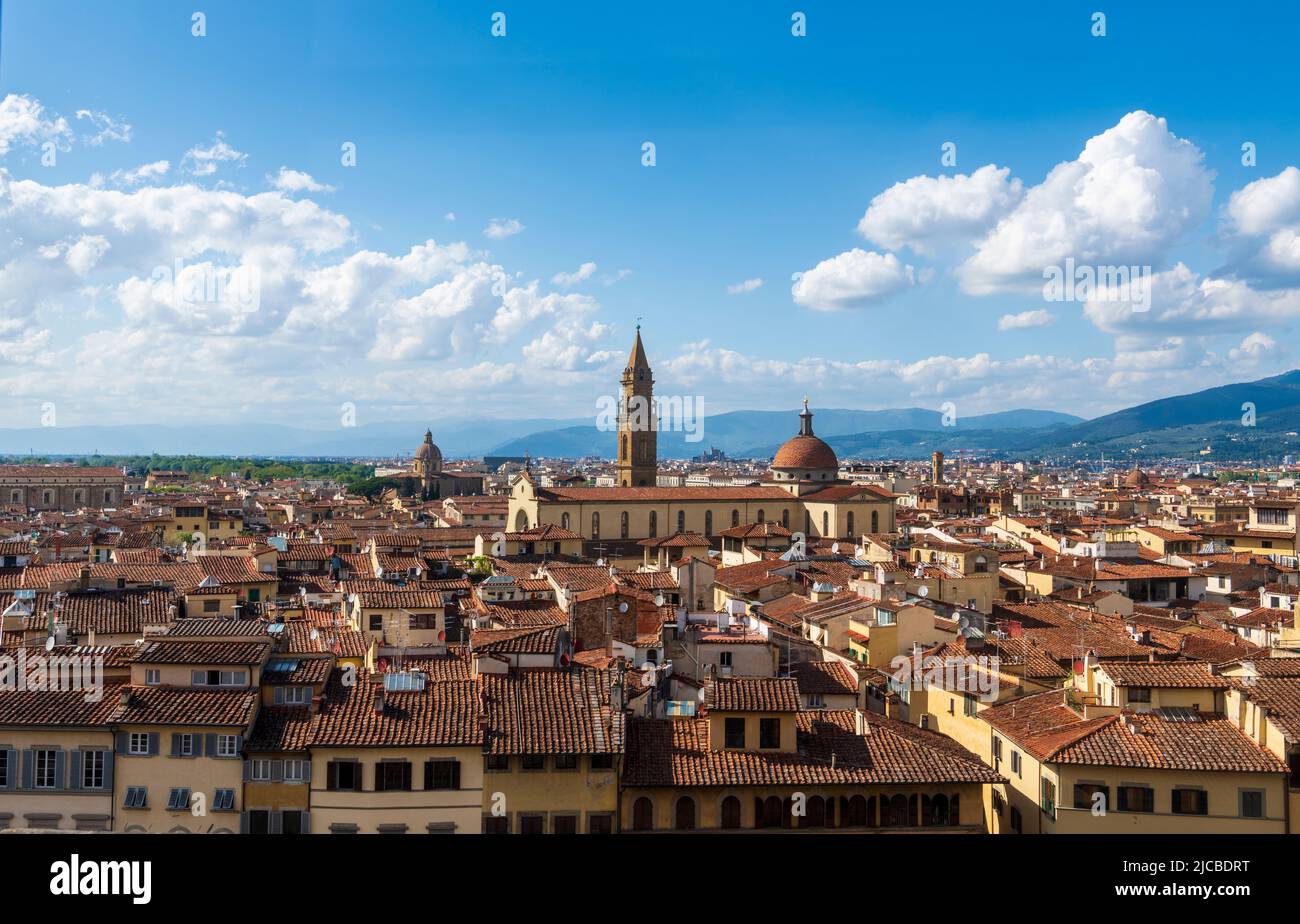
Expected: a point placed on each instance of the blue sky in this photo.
(770, 149)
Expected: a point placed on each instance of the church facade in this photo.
(803, 491)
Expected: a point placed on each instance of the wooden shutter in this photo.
(275, 823)
(153, 744)
(60, 769)
(332, 776)
(29, 768)
(74, 777)
(455, 774)
(210, 745)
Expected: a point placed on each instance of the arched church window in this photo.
(595, 526)
(622, 525)
(654, 524)
(681, 521)
(735, 518)
(708, 522)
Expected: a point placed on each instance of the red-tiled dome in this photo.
(806, 452)
(1136, 478)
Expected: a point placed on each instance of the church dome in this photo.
(1136, 478)
(806, 452)
(428, 452)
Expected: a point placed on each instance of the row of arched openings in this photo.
(899, 810)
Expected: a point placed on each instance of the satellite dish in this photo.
(49, 643)
(923, 591)
(622, 607)
(600, 562)
(659, 599)
(314, 635)
(835, 548)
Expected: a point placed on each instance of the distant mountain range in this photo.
(746, 434)
(1248, 421)
(1217, 418)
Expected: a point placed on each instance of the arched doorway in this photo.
(854, 812)
(768, 812)
(894, 811)
(684, 819)
(730, 813)
(643, 815)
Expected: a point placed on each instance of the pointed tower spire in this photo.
(805, 419)
(637, 360)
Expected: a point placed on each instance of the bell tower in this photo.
(638, 461)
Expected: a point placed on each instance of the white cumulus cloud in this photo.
(926, 213)
(1025, 320)
(1134, 191)
(749, 285)
(501, 228)
(854, 279)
